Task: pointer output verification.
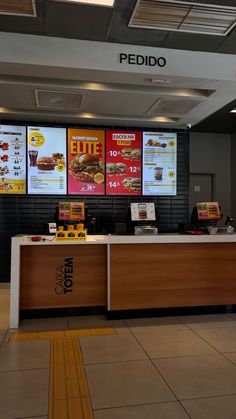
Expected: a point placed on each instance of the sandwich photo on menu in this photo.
(85, 167)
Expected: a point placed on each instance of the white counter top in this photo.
(110, 239)
(50, 240)
(173, 238)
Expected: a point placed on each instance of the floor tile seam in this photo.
(30, 417)
(229, 352)
(116, 362)
(167, 384)
(77, 342)
(225, 326)
(28, 333)
(25, 370)
(207, 397)
(184, 408)
(183, 356)
(4, 337)
(139, 404)
(78, 345)
(217, 350)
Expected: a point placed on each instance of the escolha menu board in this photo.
(12, 159)
(123, 162)
(86, 161)
(159, 163)
(46, 160)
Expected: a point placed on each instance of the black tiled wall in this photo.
(30, 214)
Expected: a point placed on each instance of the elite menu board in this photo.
(123, 162)
(46, 160)
(159, 163)
(12, 159)
(86, 161)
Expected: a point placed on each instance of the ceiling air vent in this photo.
(172, 106)
(183, 16)
(18, 7)
(59, 100)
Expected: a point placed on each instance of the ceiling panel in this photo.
(12, 96)
(23, 24)
(192, 42)
(121, 33)
(77, 21)
(112, 103)
(228, 46)
(173, 106)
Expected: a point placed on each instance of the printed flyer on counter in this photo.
(123, 162)
(86, 161)
(46, 160)
(159, 163)
(12, 159)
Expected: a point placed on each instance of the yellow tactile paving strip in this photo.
(66, 333)
(68, 389)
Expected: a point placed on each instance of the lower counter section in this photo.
(122, 273)
(63, 276)
(172, 275)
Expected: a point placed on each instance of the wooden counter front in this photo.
(63, 276)
(172, 275)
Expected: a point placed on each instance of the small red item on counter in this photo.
(36, 238)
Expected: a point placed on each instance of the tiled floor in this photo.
(151, 368)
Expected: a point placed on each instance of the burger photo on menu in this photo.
(133, 184)
(136, 153)
(46, 163)
(116, 168)
(126, 152)
(87, 167)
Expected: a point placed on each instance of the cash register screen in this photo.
(143, 211)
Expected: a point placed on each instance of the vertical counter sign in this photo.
(123, 163)
(64, 277)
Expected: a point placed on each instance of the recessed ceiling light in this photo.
(107, 3)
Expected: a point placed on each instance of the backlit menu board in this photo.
(86, 149)
(12, 159)
(159, 163)
(46, 160)
(123, 162)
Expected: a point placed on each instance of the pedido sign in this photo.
(139, 59)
